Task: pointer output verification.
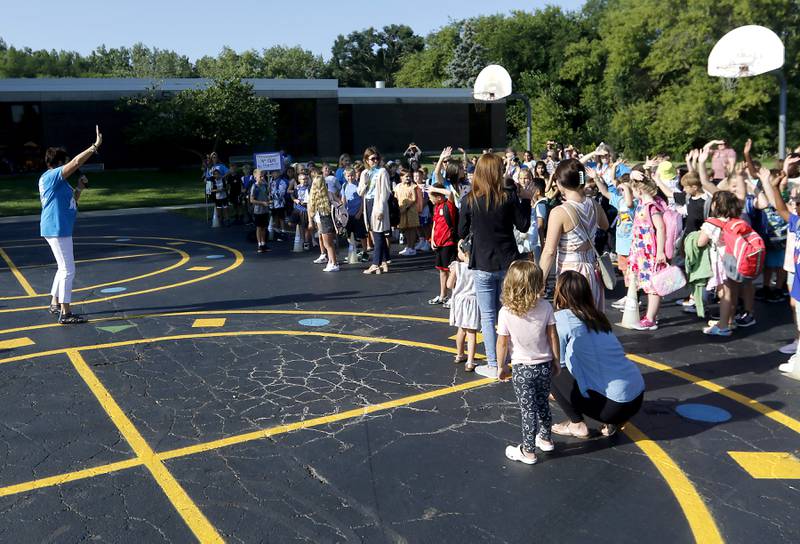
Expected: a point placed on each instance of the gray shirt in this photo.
(260, 191)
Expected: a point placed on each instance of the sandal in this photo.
(469, 366)
(515, 454)
(55, 309)
(71, 319)
(564, 430)
(458, 359)
(374, 269)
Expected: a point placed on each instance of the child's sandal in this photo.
(55, 309)
(458, 359)
(469, 366)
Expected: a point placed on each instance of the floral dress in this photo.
(643, 247)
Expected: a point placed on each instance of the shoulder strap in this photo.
(579, 224)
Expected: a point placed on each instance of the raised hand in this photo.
(99, 139)
(446, 152)
(748, 146)
(788, 162)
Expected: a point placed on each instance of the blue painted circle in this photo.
(703, 412)
(215, 256)
(314, 322)
(113, 289)
(122, 240)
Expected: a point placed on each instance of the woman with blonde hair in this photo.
(319, 210)
(571, 228)
(375, 188)
(489, 213)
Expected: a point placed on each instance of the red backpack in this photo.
(744, 248)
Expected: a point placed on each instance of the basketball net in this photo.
(730, 83)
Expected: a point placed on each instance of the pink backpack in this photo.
(673, 223)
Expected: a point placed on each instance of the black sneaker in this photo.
(71, 319)
(776, 296)
(762, 293)
(745, 319)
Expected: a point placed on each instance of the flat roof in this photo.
(98, 89)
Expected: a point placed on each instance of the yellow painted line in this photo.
(176, 243)
(223, 334)
(478, 338)
(768, 465)
(199, 268)
(16, 343)
(245, 437)
(188, 510)
(773, 414)
(17, 274)
(212, 322)
(701, 522)
(238, 260)
(184, 258)
(763, 409)
(49, 265)
(67, 477)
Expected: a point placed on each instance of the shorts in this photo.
(221, 203)
(278, 214)
(299, 217)
(775, 258)
(445, 255)
(622, 263)
(356, 227)
(261, 220)
(326, 224)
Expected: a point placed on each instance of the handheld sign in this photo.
(268, 161)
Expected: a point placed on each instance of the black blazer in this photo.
(493, 244)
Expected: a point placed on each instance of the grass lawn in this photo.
(19, 195)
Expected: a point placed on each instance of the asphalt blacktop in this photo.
(222, 395)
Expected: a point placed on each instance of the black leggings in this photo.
(380, 253)
(596, 406)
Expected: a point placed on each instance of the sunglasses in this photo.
(372, 158)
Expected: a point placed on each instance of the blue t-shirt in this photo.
(58, 204)
(596, 360)
(340, 176)
(794, 226)
(624, 221)
(537, 211)
(352, 198)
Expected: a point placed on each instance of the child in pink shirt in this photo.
(526, 331)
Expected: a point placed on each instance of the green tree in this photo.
(227, 112)
(427, 68)
(365, 56)
(469, 58)
(281, 62)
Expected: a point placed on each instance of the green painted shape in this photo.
(115, 328)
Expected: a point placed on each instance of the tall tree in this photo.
(469, 58)
(365, 56)
(427, 68)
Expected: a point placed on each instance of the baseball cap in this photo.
(666, 170)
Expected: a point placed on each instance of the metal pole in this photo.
(782, 117)
(527, 101)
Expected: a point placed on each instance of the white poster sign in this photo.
(268, 161)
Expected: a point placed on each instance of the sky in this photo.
(203, 27)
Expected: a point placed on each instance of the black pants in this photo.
(380, 253)
(598, 407)
(531, 385)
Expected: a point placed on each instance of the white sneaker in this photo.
(544, 445)
(426, 246)
(486, 371)
(619, 304)
(331, 268)
(789, 349)
(408, 252)
(321, 259)
(787, 367)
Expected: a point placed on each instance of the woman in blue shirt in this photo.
(59, 209)
(599, 380)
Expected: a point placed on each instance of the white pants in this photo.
(62, 283)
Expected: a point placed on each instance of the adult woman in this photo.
(375, 188)
(571, 228)
(598, 381)
(319, 210)
(59, 208)
(490, 212)
(540, 170)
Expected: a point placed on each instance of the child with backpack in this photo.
(740, 255)
(648, 248)
(443, 241)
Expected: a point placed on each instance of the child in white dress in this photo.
(464, 312)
